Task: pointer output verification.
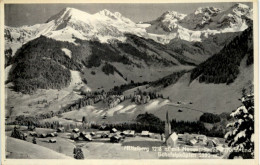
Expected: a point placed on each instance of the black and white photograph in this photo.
(139, 81)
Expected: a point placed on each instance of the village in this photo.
(82, 143)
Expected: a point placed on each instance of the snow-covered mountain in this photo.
(233, 19)
(203, 22)
(106, 26)
(72, 23)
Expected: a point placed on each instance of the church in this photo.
(171, 139)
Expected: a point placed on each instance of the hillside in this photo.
(223, 67)
(34, 64)
(15, 149)
(201, 51)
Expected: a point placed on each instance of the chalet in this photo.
(60, 129)
(102, 127)
(145, 133)
(113, 130)
(131, 133)
(25, 135)
(43, 135)
(210, 144)
(202, 138)
(74, 136)
(34, 134)
(215, 141)
(52, 141)
(50, 135)
(82, 134)
(87, 137)
(104, 135)
(192, 142)
(75, 130)
(115, 139)
(124, 133)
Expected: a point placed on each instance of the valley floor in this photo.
(101, 148)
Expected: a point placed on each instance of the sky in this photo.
(30, 14)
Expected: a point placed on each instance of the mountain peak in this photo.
(110, 14)
(208, 10)
(241, 9)
(171, 15)
(68, 12)
(240, 5)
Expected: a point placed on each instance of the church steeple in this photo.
(168, 130)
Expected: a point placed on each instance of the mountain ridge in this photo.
(107, 26)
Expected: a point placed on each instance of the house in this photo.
(43, 135)
(92, 133)
(25, 135)
(102, 127)
(186, 137)
(151, 135)
(215, 141)
(75, 130)
(74, 136)
(220, 149)
(131, 133)
(82, 134)
(55, 133)
(180, 137)
(34, 134)
(87, 137)
(210, 144)
(50, 135)
(202, 139)
(124, 133)
(52, 141)
(115, 139)
(192, 142)
(113, 130)
(104, 135)
(60, 129)
(172, 140)
(145, 133)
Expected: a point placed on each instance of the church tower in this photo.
(168, 129)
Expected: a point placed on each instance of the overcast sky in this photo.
(30, 14)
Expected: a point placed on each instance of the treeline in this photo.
(148, 118)
(223, 67)
(82, 102)
(195, 127)
(169, 80)
(215, 118)
(210, 118)
(124, 87)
